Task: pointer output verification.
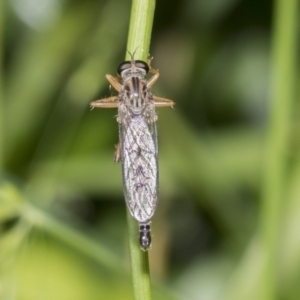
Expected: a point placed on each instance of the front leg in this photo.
(154, 78)
(114, 81)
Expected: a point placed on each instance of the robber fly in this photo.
(137, 148)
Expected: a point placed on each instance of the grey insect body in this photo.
(137, 149)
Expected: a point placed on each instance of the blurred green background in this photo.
(62, 214)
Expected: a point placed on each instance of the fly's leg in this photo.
(158, 101)
(154, 78)
(111, 102)
(115, 82)
(162, 102)
(118, 153)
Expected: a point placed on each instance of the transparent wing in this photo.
(139, 166)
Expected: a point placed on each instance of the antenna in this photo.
(132, 54)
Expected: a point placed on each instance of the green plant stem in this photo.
(275, 163)
(139, 36)
(139, 263)
(140, 28)
(1, 84)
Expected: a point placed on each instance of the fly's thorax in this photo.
(135, 95)
(135, 99)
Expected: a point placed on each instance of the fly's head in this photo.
(135, 94)
(133, 68)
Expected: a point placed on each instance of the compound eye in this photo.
(124, 66)
(142, 65)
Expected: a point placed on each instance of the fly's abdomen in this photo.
(140, 168)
